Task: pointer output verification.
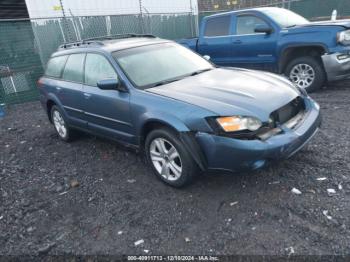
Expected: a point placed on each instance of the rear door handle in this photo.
(87, 95)
(237, 42)
(58, 88)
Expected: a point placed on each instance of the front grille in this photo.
(291, 114)
(287, 112)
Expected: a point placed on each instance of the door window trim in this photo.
(234, 35)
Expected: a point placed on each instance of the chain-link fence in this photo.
(20, 64)
(26, 45)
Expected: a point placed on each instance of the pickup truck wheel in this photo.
(306, 72)
(62, 129)
(169, 159)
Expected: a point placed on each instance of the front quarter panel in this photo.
(323, 36)
(181, 116)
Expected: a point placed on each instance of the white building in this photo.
(52, 8)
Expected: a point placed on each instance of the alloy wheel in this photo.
(303, 75)
(59, 124)
(166, 159)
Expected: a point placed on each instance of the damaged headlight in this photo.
(344, 37)
(239, 123)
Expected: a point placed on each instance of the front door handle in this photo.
(237, 42)
(87, 95)
(58, 88)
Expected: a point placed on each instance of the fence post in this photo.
(65, 22)
(141, 17)
(191, 18)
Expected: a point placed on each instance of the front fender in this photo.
(160, 117)
(185, 134)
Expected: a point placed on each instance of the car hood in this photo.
(344, 23)
(232, 91)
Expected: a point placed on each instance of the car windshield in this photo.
(155, 65)
(284, 17)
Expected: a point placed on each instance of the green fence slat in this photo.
(20, 63)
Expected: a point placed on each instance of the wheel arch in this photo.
(184, 134)
(49, 104)
(290, 52)
(52, 100)
(155, 123)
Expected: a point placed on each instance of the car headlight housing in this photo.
(238, 123)
(343, 37)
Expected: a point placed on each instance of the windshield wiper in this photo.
(200, 71)
(291, 26)
(179, 78)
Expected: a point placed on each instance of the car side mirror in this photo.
(206, 57)
(111, 84)
(263, 29)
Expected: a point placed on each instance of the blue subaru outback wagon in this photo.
(186, 114)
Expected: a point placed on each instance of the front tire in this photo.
(60, 124)
(306, 72)
(169, 159)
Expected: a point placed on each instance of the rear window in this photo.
(74, 68)
(218, 26)
(55, 66)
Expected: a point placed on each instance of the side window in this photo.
(246, 24)
(73, 70)
(98, 68)
(218, 26)
(55, 65)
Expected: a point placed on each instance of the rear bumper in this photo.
(223, 153)
(337, 65)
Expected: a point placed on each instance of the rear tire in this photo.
(169, 159)
(59, 122)
(306, 72)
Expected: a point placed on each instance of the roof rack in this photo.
(119, 36)
(94, 40)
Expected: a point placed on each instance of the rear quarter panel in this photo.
(47, 91)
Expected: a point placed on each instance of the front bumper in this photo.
(223, 153)
(337, 65)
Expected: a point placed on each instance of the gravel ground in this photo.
(96, 197)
